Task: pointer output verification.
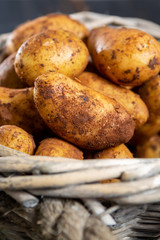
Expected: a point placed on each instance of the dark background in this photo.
(14, 12)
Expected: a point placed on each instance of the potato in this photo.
(17, 108)
(16, 138)
(126, 56)
(51, 51)
(8, 76)
(55, 147)
(150, 93)
(150, 128)
(120, 151)
(149, 149)
(79, 114)
(128, 99)
(48, 22)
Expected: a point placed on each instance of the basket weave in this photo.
(63, 199)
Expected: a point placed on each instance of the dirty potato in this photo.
(79, 114)
(120, 151)
(126, 56)
(149, 148)
(8, 76)
(48, 22)
(51, 51)
(150, 93)
(149, 129)
(55, 147)
(16, 138)
(17, 108)
(127, 98)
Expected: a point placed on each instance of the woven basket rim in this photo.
(140, 179)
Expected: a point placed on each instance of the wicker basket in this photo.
(63, 199)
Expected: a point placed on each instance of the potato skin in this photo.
(17, 108)
(79, 114)
(126, 56)
(48, 22)
(149, 129)
(150, 93)
(51, 51)
(55, 147)
(16, 138)
(8, 76)
(127, 98)
(120, 151)
(149, 148)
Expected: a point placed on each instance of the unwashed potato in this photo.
(48, 22)
(125, 56)
(150, 93)
(51, 51)
(127, 98)
(120, 151)
(8, 76)
(149, 149)
(55, 147)
(149, 129)
(16, 138)
(17, 108)
(79, 114)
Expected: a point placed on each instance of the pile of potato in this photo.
(54, 101)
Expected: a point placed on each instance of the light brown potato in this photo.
(79, 114)
(128, 99)
(125, 56)
(8, 76)
(150, 128)
(17, 108)
(55, 147)
(150, 93)
(16, 138)
(149, 149)
(51, 51)
(120, 151)
(48, 22)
